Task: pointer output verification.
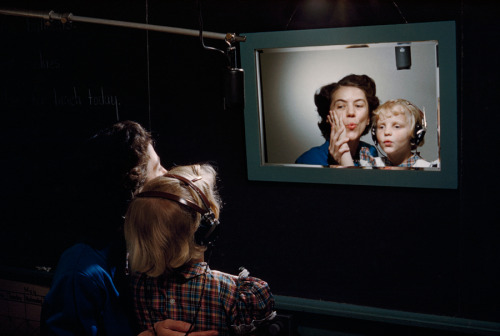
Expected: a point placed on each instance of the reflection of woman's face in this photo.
(351, 105)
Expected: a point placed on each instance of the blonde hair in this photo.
(160, 232)
(412, 113)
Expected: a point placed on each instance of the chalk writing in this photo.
(65, 100)
(93, 98)
(48, 64)
(102, 99)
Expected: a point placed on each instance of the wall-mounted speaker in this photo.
(403, 57)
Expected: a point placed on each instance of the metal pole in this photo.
(68, 17)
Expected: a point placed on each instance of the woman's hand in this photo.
(170, 327)
(339, 147)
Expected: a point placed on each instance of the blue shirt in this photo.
(83, 298)
(319, 155)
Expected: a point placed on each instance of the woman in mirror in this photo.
(345, 108)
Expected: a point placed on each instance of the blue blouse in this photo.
(83, 298)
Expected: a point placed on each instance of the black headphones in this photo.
(374, 134)
(419, 134)
(208, 231)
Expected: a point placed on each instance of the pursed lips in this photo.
(351, 126)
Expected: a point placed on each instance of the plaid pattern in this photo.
(408, 163)
(225, 299)
(366, 154)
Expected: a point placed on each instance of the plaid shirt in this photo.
(364, 153)
(226, 300)
(410, 162)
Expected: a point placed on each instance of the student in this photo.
(399, 128)
(88, 291)
(352, 101)
(168, 228)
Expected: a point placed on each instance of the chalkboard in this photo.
(62, 83)
(59, 84)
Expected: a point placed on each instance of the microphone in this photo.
(234, 91)
(234, 77)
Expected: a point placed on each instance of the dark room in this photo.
(334, 147)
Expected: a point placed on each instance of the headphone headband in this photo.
(173, 197)
(207, 231)
(192, 185)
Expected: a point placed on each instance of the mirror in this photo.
(291, 76)
(415, 62)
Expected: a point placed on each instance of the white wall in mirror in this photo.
(289, 77)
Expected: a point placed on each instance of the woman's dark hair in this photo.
(122, 152)
(323, 99)
(111, 168)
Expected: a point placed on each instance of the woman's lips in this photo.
(351, 126)
(388, 143)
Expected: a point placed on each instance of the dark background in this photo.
(419, 250)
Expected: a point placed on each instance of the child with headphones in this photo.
(168, 228)
(398, 128)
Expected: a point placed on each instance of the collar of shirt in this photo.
(408, 163)
(194, 270)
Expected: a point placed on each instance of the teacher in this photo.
(345, 108)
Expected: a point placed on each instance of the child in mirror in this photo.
(399, 128)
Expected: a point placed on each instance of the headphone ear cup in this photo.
(374, 134)
(419, 135)
(208, 231)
